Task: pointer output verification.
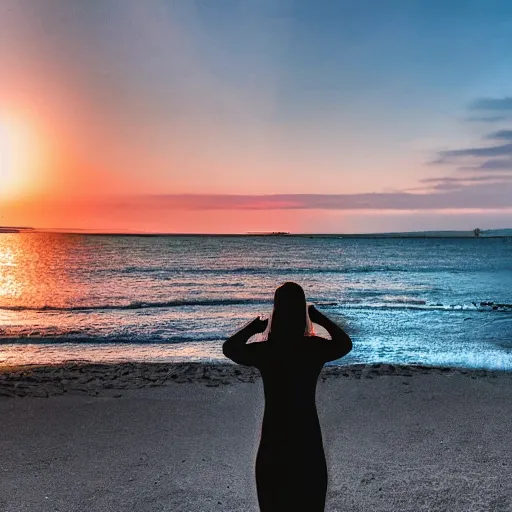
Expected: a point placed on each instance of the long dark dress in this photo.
(291, 471)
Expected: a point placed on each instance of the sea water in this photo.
(443, 301)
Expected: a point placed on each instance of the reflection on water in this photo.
(10, 286)
(36, 270)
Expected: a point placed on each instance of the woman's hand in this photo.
(314, 315)
(258, 325)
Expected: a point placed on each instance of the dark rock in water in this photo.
(496, 306)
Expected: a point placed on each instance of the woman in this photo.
(291, 472)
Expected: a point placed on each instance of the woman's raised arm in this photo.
(236, 348)
(340, 344)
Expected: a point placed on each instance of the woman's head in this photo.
(289, 317)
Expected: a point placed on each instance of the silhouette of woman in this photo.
(291, 471)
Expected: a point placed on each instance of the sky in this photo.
(228, 116)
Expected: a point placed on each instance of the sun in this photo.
(16, 157)
(10, 181)
(5, 159)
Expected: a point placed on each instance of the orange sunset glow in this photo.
(227, 125)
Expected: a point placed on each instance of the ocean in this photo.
(445, 301)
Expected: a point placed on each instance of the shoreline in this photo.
(109, 379)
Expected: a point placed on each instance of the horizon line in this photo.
(83, 231)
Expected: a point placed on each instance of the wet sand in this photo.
(183, 437)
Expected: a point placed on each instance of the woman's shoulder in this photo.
(313, 338)
(276, 343)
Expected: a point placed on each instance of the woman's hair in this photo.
(290, 317)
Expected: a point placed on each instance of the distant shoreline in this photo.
(243, 235)
(491, 233)
(224, 235)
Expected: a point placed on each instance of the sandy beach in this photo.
(183, 437)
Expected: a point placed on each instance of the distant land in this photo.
(484, 233)
(14, 229)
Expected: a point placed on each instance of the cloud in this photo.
(452, 183)
(472, 179)
(494, 104)
(500, 135)
(479, 158)
(502, 150)
(448, 185)
(487, 119)
(497, 157)
(478, 195)
(497, 164)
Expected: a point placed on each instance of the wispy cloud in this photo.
(490, 165)
(497, 157)
(468, 179)
(500, 135)
(502, 150)
(487, 119)
(494, 104)
(494, 110)
(474, 195)
(452, 183)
